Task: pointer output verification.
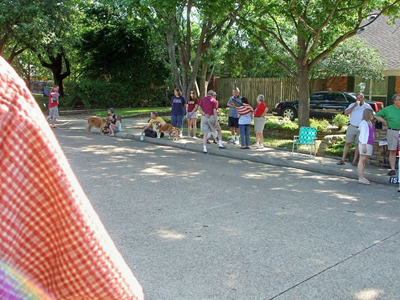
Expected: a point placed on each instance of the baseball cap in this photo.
(211, 92)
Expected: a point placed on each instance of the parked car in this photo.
(322, 105)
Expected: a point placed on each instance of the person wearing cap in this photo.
(233, 121)
(390, 116)
(355, 110)
(208, 109)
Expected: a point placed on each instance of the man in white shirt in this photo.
(355, 110)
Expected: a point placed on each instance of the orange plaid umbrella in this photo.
(49, 232)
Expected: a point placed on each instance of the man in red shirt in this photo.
(208, 108)
(53, 106)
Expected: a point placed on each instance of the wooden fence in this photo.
(274, 89)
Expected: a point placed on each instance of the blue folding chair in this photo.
(307, 136)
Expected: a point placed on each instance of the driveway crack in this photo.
(336, 264)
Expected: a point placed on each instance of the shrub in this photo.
(320, 125)
(340, 120)
(337, 148)
(101, 94)
(284, 124)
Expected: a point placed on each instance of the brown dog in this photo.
(172, 132)
(97, 122)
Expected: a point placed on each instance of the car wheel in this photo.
(289, 112)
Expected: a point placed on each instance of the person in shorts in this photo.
(115, 128)
(355, 110)
(208, 108)
(178, 109)
(259, 121)
(233, 121)
(390, 116)
(366, 143)
(191, 113)
(53, 106)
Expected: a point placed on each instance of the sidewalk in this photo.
(271, 156)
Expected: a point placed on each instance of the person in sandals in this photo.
(355, 110)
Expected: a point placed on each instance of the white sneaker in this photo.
(261, 146)
(255, 145)
(231, 141)
(237, 142)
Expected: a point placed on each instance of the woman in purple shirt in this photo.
(366, 143)
(178, 110)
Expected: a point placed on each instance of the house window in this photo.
(374, 91)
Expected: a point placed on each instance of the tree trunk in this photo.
(56, 67)
(172, 58)
(203, 80)
(304, 95)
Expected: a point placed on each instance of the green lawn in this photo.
(133, 111)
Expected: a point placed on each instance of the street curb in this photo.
(303, 162)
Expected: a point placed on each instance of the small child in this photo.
(112, 121)
(366, 143)
(54, 96)
(114, 128)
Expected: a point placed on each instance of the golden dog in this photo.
(172, 132)
(97, 122)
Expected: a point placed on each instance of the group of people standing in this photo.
(361, 131)
(240, 117)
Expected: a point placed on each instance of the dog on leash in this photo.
(98, 122)
(172, 132)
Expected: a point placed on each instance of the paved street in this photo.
(194, 226)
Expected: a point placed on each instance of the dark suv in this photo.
(322, 105)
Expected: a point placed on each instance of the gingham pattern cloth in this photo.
(49, 232)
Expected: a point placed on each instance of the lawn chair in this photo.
(307, 136)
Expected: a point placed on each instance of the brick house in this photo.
(385, 38)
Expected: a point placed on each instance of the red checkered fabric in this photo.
(49, 232)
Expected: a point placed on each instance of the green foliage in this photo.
(246, 59)
(302, 33)
(283, 124)
(167, 119)
(99, 94)
(340, 120)
(345, 61)
(320, 125)
(286, 124)
(116, 50)
(337, 148)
